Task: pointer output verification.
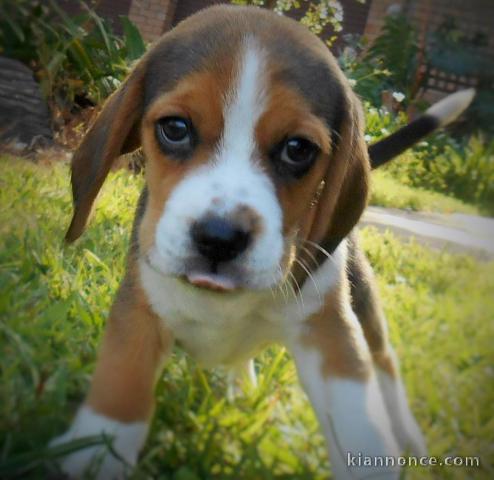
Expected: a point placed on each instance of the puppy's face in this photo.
(253, 147)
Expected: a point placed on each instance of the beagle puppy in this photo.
(256, 175)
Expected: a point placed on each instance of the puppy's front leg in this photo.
(335, 368)
(120, 401)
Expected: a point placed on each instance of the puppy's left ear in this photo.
(116, 131)
(346, 185)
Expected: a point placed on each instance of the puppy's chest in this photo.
(225, 340)
(215, 329)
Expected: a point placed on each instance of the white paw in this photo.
(405, 427)
(100, 461)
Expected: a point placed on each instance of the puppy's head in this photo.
(253, 144)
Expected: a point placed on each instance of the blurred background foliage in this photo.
(316, 16)
(79, 60)
(55, 299)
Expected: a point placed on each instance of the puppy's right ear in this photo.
(116, 131)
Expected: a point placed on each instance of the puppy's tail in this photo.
(436, 116)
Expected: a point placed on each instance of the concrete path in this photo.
(455, 232)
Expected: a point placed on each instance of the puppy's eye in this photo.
(175, 135)
(298, 151)
(294, 156)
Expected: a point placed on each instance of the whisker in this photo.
(322, 250)
(299, 296)
(309, 274)
(309, 253)
(280, 286)
(336, 133)
(291, 289)
(272, 288)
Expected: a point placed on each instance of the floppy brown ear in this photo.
(346, 185)
(116, 131)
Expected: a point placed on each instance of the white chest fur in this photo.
(214, 328)
(218, 328)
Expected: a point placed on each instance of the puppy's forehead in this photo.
(210, 40)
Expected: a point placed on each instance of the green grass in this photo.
(53, 304)
(387, 191)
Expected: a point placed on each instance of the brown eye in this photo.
(298, 151)
(176, 136)
(173, 130)
(294, 156)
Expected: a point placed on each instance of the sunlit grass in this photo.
(54, 300)
(387, 191)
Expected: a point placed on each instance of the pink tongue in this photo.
(211, 281)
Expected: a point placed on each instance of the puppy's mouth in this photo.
(211, 281)
(204, 277)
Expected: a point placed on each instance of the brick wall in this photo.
(355, 16)
(375, 18)
(111, 10)
(152, 17)
(186, 8)
(472, 17)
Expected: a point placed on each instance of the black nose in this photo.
(219, 240)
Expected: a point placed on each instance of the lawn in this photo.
(54, 300)
(388, 192)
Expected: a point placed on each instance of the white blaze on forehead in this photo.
(244, 104)
(232, 178)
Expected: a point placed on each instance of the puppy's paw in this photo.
(114, 460)
(405, 427)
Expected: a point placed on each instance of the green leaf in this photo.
(103, 31)
(134, 43)
(13, 25)
(24, 462)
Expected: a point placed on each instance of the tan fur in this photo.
(287, 114)
(338, 337)
(248, 220)
(344, 196)
(341, 197)
(323, 207)
(367, 307)
(199, 97)
(113, 134)
(133, 350)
